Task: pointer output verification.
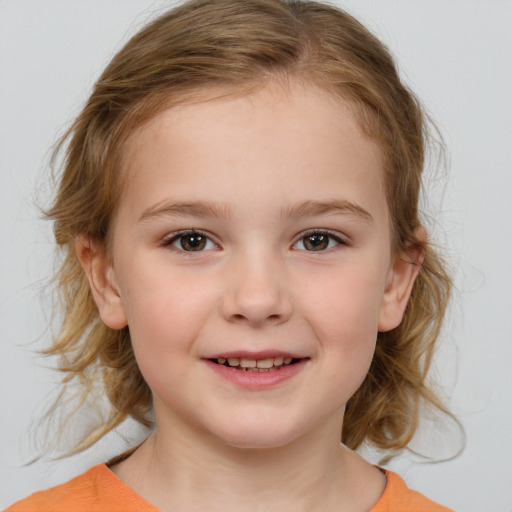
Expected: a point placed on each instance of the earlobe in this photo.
(100, 274)
(401, 279)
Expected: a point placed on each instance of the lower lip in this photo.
(257, 380)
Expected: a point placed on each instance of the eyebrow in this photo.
(305, 209)
(334, 206)
(181, 209)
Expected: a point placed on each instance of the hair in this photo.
(232, 47)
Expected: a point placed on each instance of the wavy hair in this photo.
(231, 47)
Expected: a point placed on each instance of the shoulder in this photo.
(98, 489)
(398, 497)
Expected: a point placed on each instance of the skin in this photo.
(255, 286)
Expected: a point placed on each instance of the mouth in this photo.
(269, 364)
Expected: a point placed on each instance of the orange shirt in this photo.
(99, 490)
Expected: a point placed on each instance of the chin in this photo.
(259, 436)
(258, 443)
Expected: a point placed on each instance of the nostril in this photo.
(271, 318)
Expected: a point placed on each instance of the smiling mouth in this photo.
(270, 364)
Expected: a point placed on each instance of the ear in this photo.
(100, 273)
(401, 278)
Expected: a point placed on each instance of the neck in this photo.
(188, 471)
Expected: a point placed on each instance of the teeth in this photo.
(265, 363)
(268, 364)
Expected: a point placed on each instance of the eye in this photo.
(318, 241)
(190, 241)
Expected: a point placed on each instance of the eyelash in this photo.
(330, 235)
(176, 237)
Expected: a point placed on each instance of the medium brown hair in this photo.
(234, 46)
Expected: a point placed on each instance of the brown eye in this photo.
(318, 241)
(193, 242)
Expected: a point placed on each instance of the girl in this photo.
(245, 265)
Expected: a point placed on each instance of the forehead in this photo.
(269, 97)
(298, 140)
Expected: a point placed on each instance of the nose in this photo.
(256, 292)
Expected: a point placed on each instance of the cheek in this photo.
(165, 320)
(345, 301)
(343, 313)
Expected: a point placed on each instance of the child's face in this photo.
(291, 257)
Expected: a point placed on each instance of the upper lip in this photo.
(247, 354)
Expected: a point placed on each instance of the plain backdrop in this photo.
(454, 53)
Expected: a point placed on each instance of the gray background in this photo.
(454, 53)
